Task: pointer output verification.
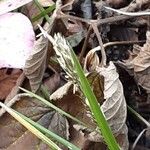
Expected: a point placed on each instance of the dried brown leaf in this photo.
(91, 61)
(142, 61)
(36, 64)
(15, 136)
(15, 90)
(142, 65)
(114, 106)
(72, 103)
(139, 63)
(8, 81)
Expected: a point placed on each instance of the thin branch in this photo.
(85, 43)
(100, 43)
(118, 43)
(135, 14)
(108, 20)
(138, 138)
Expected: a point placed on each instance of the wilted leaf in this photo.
(114, 106)
(142, 65)
(15, 136)
(9, 5)
(15, 45)
(8, 81)
(142, 61)
(72, 103)
(139, 62)
(36, 63)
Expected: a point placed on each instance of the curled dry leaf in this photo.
(139, 63)
(36, 63)
(142, 65)
(9, 5)
(114, 106)
(15, 45)
(142, 61)
(15, 136)
(91, 61)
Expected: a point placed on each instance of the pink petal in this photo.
(16, 40)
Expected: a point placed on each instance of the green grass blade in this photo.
(53, 106)
(42, 10)
(31, 128)
(139, 116)
(43, 13)
(95, 108)
(49, 133)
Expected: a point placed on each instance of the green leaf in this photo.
(42, 10)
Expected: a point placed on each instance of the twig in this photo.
(108, 20)
(135, 5)
(138, 138)
(123, 43)
(135, 14)
(61, 15)
(117, 43)
(100, 43)
(85, 43)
